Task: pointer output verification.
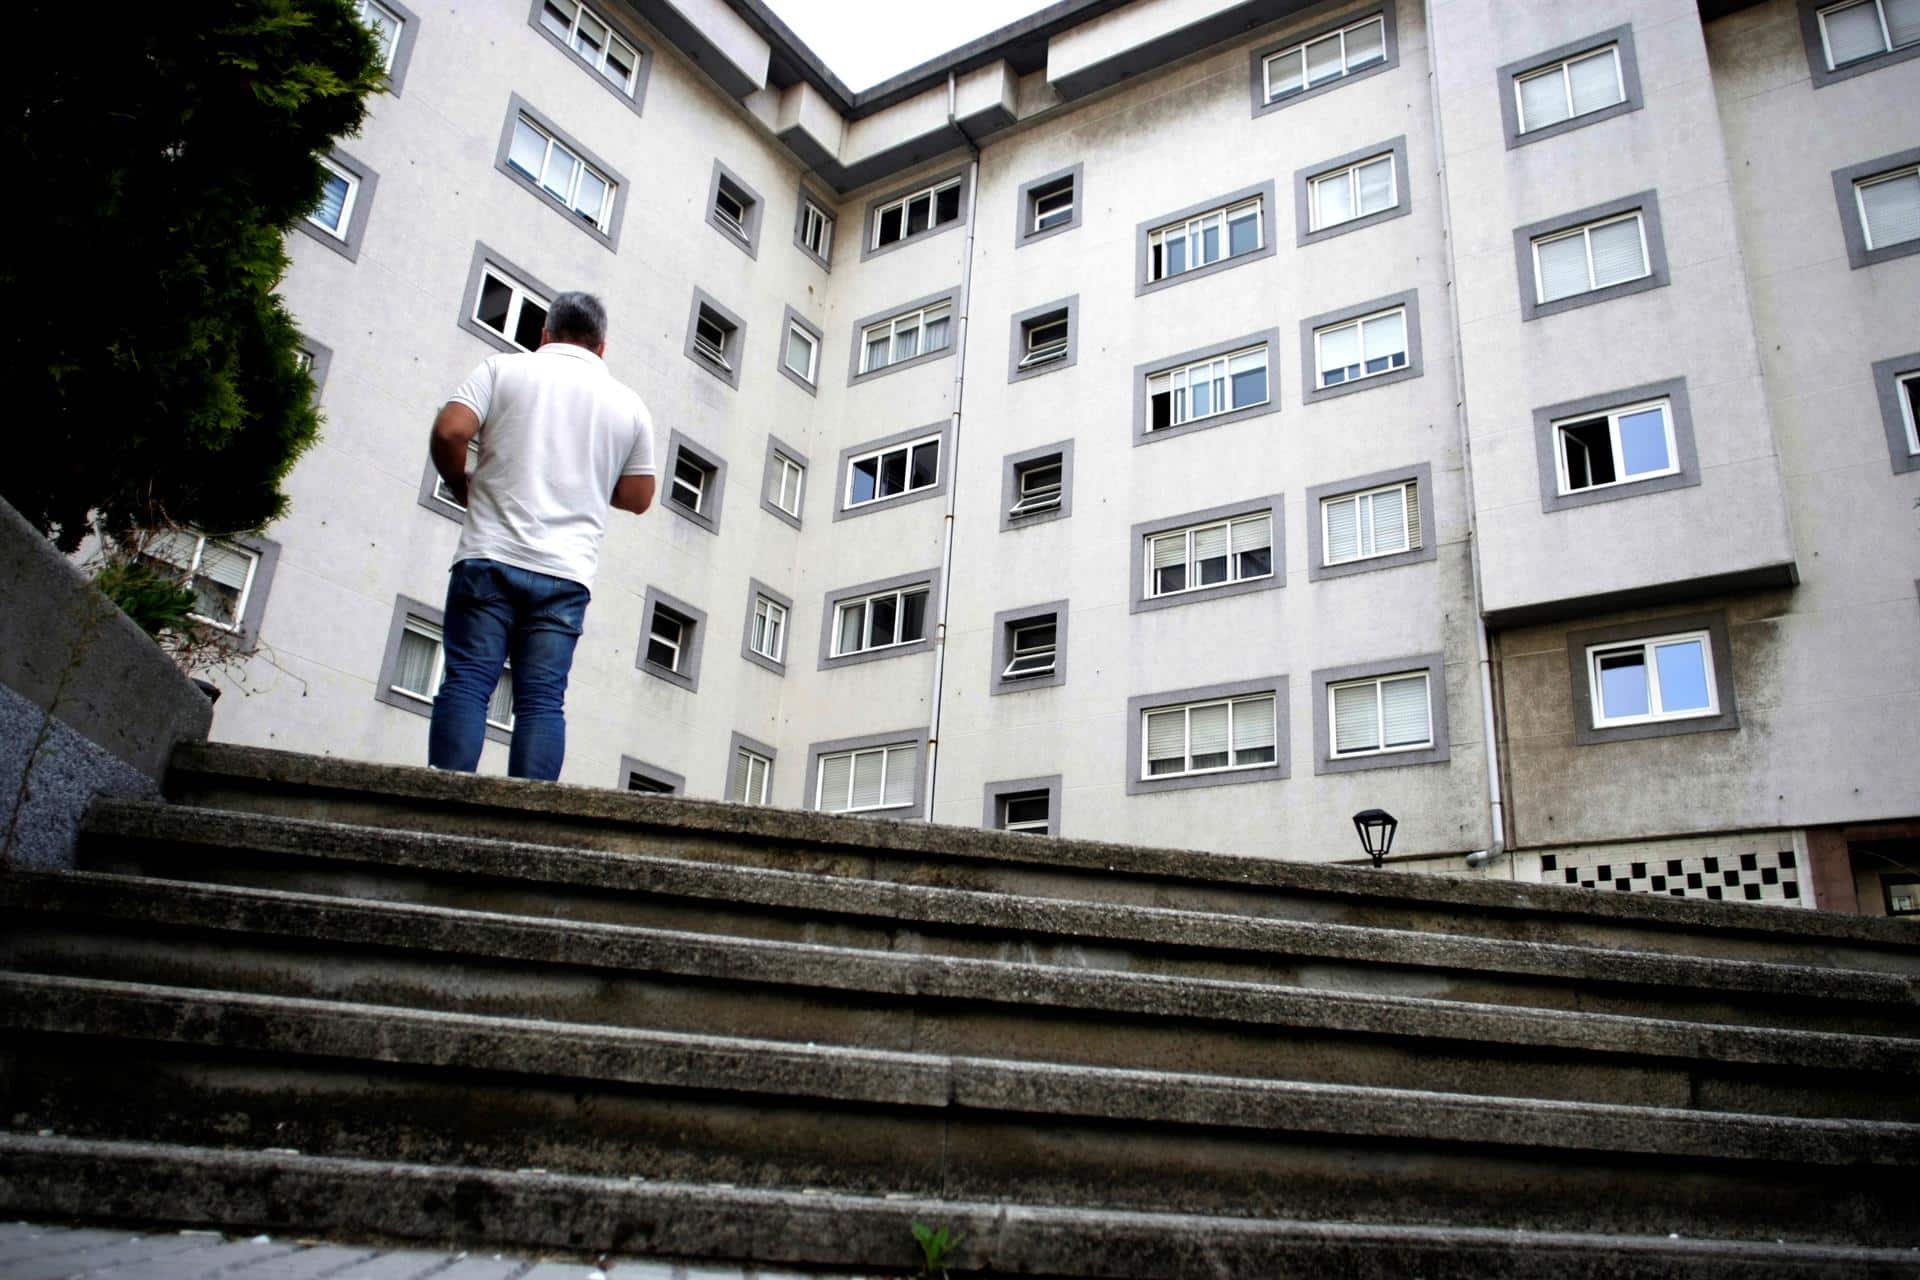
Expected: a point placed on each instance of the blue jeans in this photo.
(495, 612)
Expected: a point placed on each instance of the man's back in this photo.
(557, 432)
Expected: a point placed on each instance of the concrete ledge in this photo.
(201, 768)
(361, 1199)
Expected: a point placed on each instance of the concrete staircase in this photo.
(343, 999)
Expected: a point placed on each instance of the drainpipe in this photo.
(1496, 805)
(952, 460)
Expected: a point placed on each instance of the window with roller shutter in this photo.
(1391, 713)
(1860, 32)
(1569, 88)
(1379, 522)
(1590, 256)
(221, 574)
(867, 781)
(1214, 735)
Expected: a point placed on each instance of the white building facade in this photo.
(1180, 422)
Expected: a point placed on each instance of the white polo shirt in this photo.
(556, 433)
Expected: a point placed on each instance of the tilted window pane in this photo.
(1617, 253)
(1595, 81)
(496, 299)
(1892, 209)
(1683, 676)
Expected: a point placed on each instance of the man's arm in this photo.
(633, 493)
(453, 431)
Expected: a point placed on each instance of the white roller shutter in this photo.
(1386, 335)
(1333, 200)
(1903, 21)
(1253, 725)
(1339, 348)
(1343, 529)
(1167, 736)
(1210, 543)
(1376, 186)
(1356, 718)
(901, 764)
(1892, 210)
(1404, 708)
(1618, 255)
(1413, 517)
(1207, 731)
(1543, 101)
(869, 773)
(1563, 267)
(836, 777)
(1389, 522)
(1854, 33)
(500, 705)
(1365, 44)
(1595, 82)
(1252, 535)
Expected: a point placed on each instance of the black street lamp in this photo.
(1376, 828)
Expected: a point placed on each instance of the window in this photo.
(695, 482)
(1205, 238)
(557, 170)
(1909, 396)
(221, 574)
(1027, 812)
(1896, 384)
(791, 475)
(1221, 384)
(752, 776)
(594, 41)
(417, 673)
(1635, 442)
(1032, 644)
(1889, 207)
(1902, 894)
(716, 338)
(440, 491)
(893, 471)
(1596, 256)
(902, 337)
(1207, 555)
(1362, 348)
(1356, 191)
(926, 209)
(1038, 486)
(881, 621)
(1377, 522)
(640, 782)
(338, 218)
(688, 487)
(734, 209)
(386, 26)
(1574, 87)
(1379, 715)
(767, 631)
(1044, 340)
(335, 210)
(802, 355)
(1668, 678)
(1325, 59)
(783, 482)
(1866, 29)
(864, 781)
(815, 231)
(1207, 737)
(506, 307)
(668, 638)
(672, 633)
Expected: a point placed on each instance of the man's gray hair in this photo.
(579, 318)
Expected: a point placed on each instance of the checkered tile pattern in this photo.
(1772, 876)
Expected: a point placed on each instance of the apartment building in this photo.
(1182, 422)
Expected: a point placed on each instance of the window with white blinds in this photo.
(546, 161)
(1362, 348)
(420, 665)
(334, 213)
(902, 337)
(1574, 87)
(593, 41)
(1221, 384)
(871, 779)
(752, 775)
(219, 573)
(1208, 737)
(386, 26)
(1889, 207)
(1209, 555)
(1380, 714)
(1867, 28)
(1356, 191)
(1378, 522)
(1595, 256)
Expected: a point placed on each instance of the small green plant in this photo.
(936, 1247)
(158, 602)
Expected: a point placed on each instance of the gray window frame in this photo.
(1142, 399)
(1390, 48)
(1303, 192)
(1546, 447)
(869, 221)
(1852, 226)
(405, 607)
(929, 578)
(808, 196)
(1713, 622)
(1279, 771)
(1023, 207)
(365, 180)
(1269, 209)
(1621, 37)
(738, 336)
(1016, 342)
(777, 446)
(676, 783)
(1647, 203)
(949, 296)
(707, 458)
(1310, 393)
(1003, 625)
(1010, 485)
(812, 330)
(993, 814)
(735, 741)
(756, 210)
(916, 738)
(1140, 602)
(943, 428)
(403, 46)
(1886, 388)
(1817, 50)
(1435, 666)
(640, 73)
(1419, 474)
(322, 363)
(756, 589)
(470, 299)
(690, 648)
(518, 106)
(245, 637)
(429, 481)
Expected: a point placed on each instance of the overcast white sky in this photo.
(864, 45)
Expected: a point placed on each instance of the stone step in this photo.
(181, 843)
(275, 943)
(276, 1192)
(360, 1081)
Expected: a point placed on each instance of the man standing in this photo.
(559, 441)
